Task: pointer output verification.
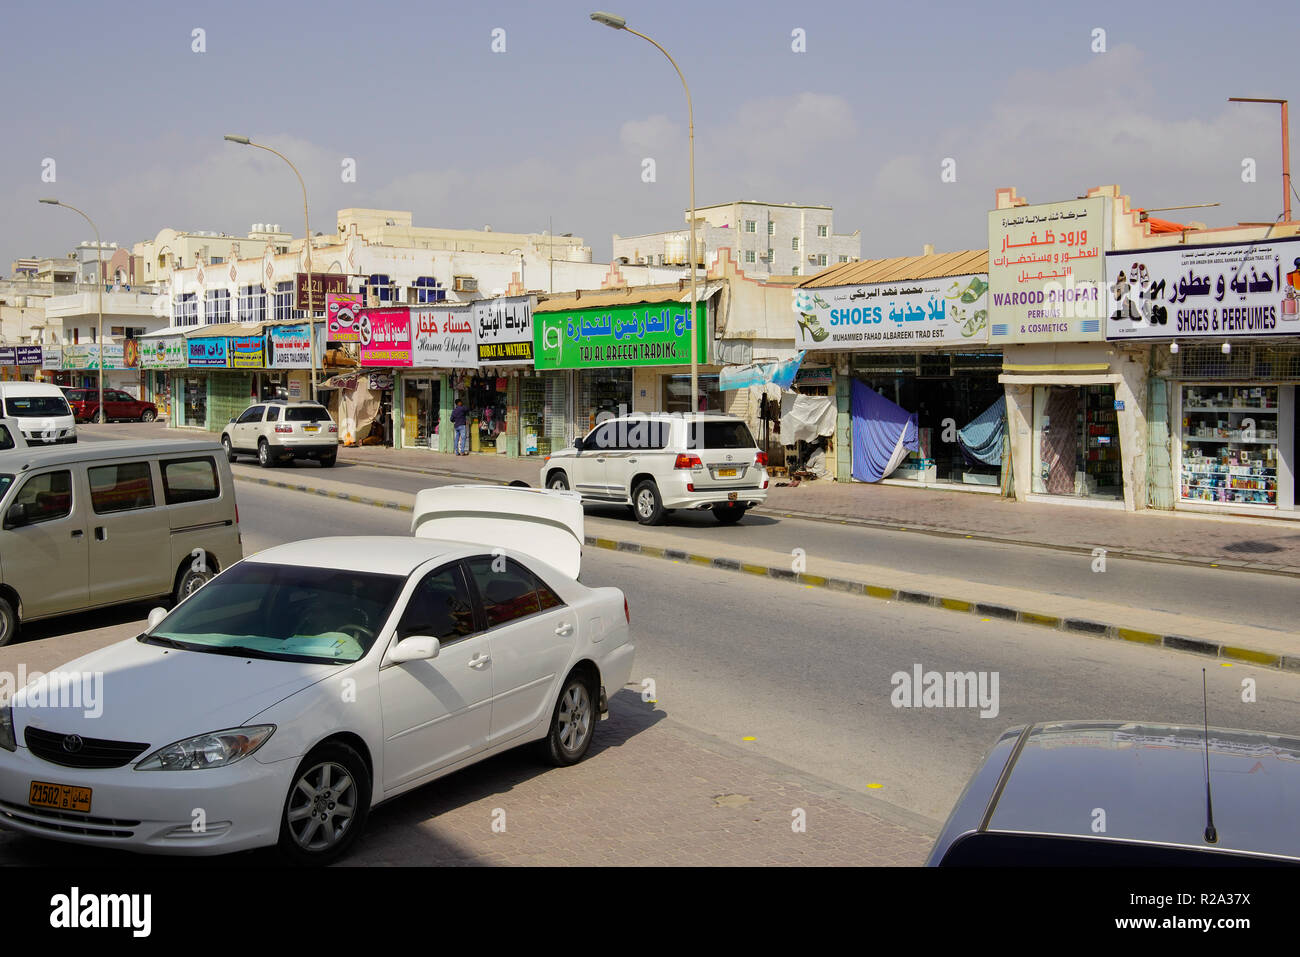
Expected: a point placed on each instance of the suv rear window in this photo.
(719, 435)
(32, 406)
(306, 413)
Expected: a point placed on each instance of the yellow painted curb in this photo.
(956, 604)
(700, 559)
(813, 580)
(606, 543)
(875, 591)
(1142, 637)
(1255, 657)
(653, 551)
(754, 569)
(1029, 617)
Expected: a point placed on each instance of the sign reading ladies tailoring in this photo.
(1047, 271)
(444, 338)
(504, 328)
(884, 315)
(644, 334)
(1237, 290)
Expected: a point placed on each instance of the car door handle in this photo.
(101, 533)
(78, 532)
(601, 461)
(631, 461)
(480, 660)
(565, 629)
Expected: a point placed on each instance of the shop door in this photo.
(1060, 440)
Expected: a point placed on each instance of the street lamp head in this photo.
(612, 20)
(51, 202)
(242, 140)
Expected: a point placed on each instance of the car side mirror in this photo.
(577, 444)
(155, 618)
(415, 648)
(232, 421)
(17, 516)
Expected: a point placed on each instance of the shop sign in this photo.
(643, 334)
(1236, 290)
(322, 284)
(504, 331)
(385, 337)
(51, 357)
(247, 352)
(208, 353)
(86, 356)
(444, 338)
(813, 375)
(7, 356)
(948, 311)
(288, 348)
(380, 382)
(1047, 271)
(27, 355)
(341, 311)
(295, 388)
(163, 353)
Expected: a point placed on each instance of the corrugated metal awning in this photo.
(901, 269)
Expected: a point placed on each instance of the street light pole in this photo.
(311, 313)
(99, 296)
(619, 23)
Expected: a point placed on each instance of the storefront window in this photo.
(1230, 444)
(196, 402)
(602, 392)
(541, 413)
(1076, 441)
(485, 398)
(677, 393)
(420, 413)
(271, 385)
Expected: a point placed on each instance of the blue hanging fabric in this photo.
(981, 438)
(883, 434)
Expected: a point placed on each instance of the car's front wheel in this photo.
(648, 504)
(8, 622)
(572, 723)
(327, 805)
(729, 514)
(99, 416)
(148, 415)
(191, 581)
(230, 449)
(558, 481)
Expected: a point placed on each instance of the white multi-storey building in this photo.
(766, 239)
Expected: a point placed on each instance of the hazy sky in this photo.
(558, 124)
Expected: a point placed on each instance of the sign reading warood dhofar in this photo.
(163, 353)
(951, 310)
(288, 347)
(322, 284)
(341, 311)
(444, 338)
(1236, 290)
(1047, 271)
(504, 329)
(385, 336)
(644, 334)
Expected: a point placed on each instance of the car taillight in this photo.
(284, 428)
(626, 614)
(685, 461)
(761, 459)
(236, 513)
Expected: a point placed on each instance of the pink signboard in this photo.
(341, 311)
(385, 337)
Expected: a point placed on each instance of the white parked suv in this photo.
(278, 431)
(658, 462)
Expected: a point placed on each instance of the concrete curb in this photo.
(1077, 626)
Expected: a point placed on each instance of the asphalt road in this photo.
(806, 673)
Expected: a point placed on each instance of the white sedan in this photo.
(308, 683)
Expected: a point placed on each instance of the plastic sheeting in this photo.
(883, 434)
(804, 417)
(760, 373)
(981, 438)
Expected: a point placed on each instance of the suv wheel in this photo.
(8, 622)
(328, 460)
(230, 449)
(148, 415)
(648, 504)
(558, 481)
(729, 514)
(264, 457)
(99, 416)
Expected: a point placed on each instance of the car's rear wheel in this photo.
(99, 416)
(264, 457)
(8, 622)
(326, 806)
(558, 481)
(729, 514)
(148, 415)
(191, 581)
(327, 461)
(648, 504)
(230, 449)
(572, 723)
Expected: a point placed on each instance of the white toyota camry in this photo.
(308, 683)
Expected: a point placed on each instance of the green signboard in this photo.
(642, 334)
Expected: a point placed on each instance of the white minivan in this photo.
(42, 411)
(102, 523)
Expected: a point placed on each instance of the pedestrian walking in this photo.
(458, 415)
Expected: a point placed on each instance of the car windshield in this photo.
(31, 406)
(306, 413)
(283, 612)
(720, 435)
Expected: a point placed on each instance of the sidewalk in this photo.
(1271, 545)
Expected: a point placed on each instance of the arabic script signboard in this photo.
(504, 331)
(322, 284)
(444, 338)
(1047, 271)
(163, 353)
(644, 334)
(341, 311)
(1237, 290)
(208, 353)
(948, 311)
(288, 347)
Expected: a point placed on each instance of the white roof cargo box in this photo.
(544, 524)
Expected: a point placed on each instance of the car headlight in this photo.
(216, 749)
(7, 739)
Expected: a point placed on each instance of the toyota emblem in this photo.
(72, 743)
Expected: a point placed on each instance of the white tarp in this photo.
(804, 417)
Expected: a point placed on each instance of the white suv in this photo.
(658, 462)
(279, 430)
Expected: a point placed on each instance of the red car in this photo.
(117, 404)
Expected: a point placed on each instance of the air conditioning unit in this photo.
(812, 258)
(465, 284)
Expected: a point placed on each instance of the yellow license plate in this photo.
(64, 797)
(726, 473)
(311, 428)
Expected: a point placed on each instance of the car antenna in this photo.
(1211, 835)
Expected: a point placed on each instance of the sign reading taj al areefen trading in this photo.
(1047, 271)
(1235, 290)
(640, 334)
(951, 310)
